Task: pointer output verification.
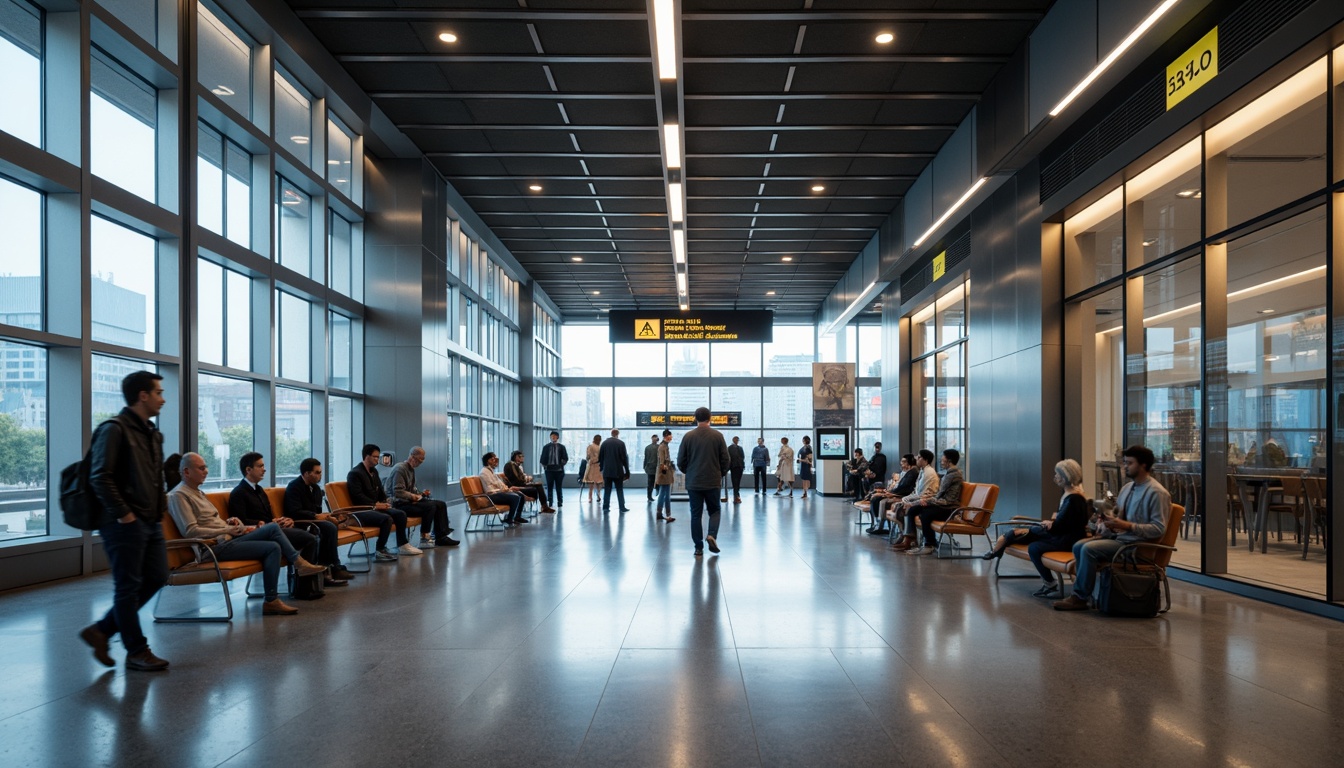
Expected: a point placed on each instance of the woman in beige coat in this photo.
(784, 470)
(664, 477)
(593, 474)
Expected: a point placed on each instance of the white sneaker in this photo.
(408, 549)
(427, 544)
(920, 551)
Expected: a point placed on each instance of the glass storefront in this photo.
(1198, 291)
(938, 372)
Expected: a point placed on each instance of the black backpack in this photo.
(79, 504)
(308, 587)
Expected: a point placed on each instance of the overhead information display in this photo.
(685, 419)
(754, 325)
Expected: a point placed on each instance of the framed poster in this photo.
(833, 394)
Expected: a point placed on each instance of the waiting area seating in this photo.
(192, 562)
(972, 518)
(480, 507)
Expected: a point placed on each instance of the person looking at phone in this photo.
(1141, 512)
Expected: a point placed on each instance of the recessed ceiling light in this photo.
(818, 188)
(299, 139)
(576, 258)
(685, 307)
(222, 90)
(769, 293)
(787, 258)
(597, 293)
(333, 162)
(448, 37)
(534, 187)
(1266, 311)
(1149, 243)
(1190, 193)
(340, 181)
(1271, 358)
(885, 37)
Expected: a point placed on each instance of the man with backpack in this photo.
(126, 476)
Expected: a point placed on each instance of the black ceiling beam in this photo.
(563, 96)
(846, 96)
(504, 227)
(567, 127)
(530, 14)
(542, 196)
(664, 214)
(538, 58)
(518, 95)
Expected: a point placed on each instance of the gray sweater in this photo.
(403, 484)
(1146, 505)
(703, 458)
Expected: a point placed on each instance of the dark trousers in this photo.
(736, 474)
(384, 520)
(433, 516)
(139, 562)
(514, 500)
(267, 544)
(537, 492)
(927, 515)
(607, 483)
(309, 543)
(758, 478)
(555, 485)
(699, 501)
(651, 476)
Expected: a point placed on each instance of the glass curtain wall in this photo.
(938, 374)
(253, 323)
(1200, 296)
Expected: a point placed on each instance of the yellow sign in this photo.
(939, 265)
(1192, 69)
(647, 330)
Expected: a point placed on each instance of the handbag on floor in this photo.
(1129, 586)
(308, 587)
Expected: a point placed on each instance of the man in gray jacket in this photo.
(1141, 512)
(703, 458)
(415, 502)
(651, 464)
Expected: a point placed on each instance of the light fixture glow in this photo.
(674, 201)
(576, 258)
(672, 140)
(222, 90)
(681, 282)
(769, 293)
(665, 35)
(885, 37)
(685, 307)
(597, 293)
(448, 37)
(787, 258)
(1115, 53)
(863, 296)
(818, 188)
(299, 139)
(1188, 194)
(1266, 311)
(948, 213)
(534, 187)
(679, 246)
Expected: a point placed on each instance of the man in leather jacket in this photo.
(126, 474)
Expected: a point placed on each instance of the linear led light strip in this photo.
(844, 316)
(665, 39)
(1258, 288)
(948, 213)
(1115, 53)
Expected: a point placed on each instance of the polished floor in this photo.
(584, 640)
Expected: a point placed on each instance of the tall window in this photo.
(21, 272)
(224, 60)
(225, 412)
(21, 61)
(937, 373)
(294, 227)
(23, 440)
(340, 157)
(342, 351)
(123, 113)
(293, 117)
(224, 316)
(343, 275)
(342, 452)
(124, 286)
(293, 432)
(294, 350)
(224, 187)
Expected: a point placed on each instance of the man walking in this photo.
(651, 464)
(703, 458)
(737, 464)
(126, 474)
(554, 457)
(615, 463)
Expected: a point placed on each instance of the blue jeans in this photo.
(700, 500)
(139, 562)
(664, 496)
(607, 483)
(267, 544)
(1090, 553)
(514, 500)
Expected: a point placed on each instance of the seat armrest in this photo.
(1017, 521)
(342, 510)
(184, 543)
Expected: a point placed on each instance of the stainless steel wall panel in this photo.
(1062, 50)
(954, 167)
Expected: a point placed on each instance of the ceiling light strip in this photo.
(948, 213)
(1116, 53)
(665, 32)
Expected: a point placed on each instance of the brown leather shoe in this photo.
(905, 543)
(1071, 603)
(146, 661)
(98, 642)
(277, 607)
(304, 568)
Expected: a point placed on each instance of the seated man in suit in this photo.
(515, 476)
(366, 490)
(304, 502)
(248, 502)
